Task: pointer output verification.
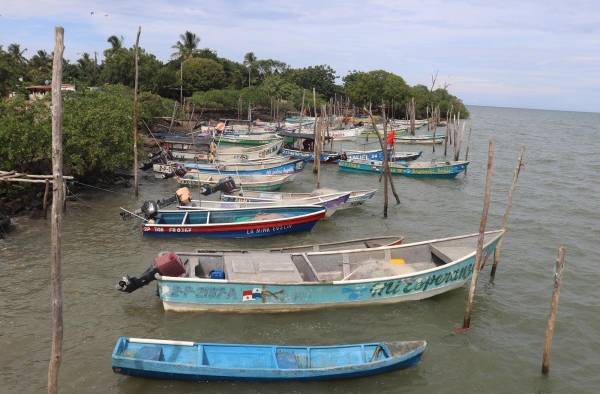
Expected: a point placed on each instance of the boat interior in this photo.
(289, 268)
(191, 217)
(261, 356)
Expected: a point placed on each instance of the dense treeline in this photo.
(215, 82)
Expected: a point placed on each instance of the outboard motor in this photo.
(150, 209)
(225, 185)
(167, 264)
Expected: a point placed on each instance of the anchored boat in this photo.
(286, 282)
(163, 359)
(246, 182)
(331, 202)
(357, 197)
(234, 223)
(447, 169)
(424, 139)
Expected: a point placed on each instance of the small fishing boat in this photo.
(447, 169)
(265, 168)
(247, 139)
(334, 157)
(287, 282)
(166, 359)
(233, 154)
(246, 182)
(425, 139)
(357, 197)
(331, 202)
(362, 243)
(234, 223)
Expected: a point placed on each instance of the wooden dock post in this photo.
(316, 135)
(513, 186)
(479, 254)
(57, 213)
(45, 202)
(560, 265)
(385, 164)
(135, 115)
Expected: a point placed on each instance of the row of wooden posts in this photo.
(59, 196)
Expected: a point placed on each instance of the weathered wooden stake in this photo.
(45, 202)
(317, 136)
(479, 253)
(301, 112)
(57, 212)
(513, 186)
(385, 165)
(135, 115)
(560, 265)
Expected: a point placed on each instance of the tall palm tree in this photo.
(115, 42)
(14, 51)
(187, 45)
(249, 61)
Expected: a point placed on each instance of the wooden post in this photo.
(479, 253)
(57, 212)
(385, 164)
(467, 151)
(513, 186)
(45, 202)
(301, 112)
(560, 265)
(317, 137)
(135, 115)
(383, 145)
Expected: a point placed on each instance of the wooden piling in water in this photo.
(479, 253)
(57, 213)
(136, 114)
(513, 186)
(45, 202)
(558, 271)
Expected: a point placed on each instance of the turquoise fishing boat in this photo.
(164, 359)
(447, 169)
(287, 282)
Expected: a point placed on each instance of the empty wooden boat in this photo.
(424, 139)
(357, 197)
(447, 169)
(247, 139)
(234, 223)
(233, 154)
(287, 282)
(164, 359)
(362, 243)
(334, 157)
(331, 202)
(246, 182)
(285, 167)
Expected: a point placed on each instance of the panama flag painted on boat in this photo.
(251, 295)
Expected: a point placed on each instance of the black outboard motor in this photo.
(166, 264)
(150, 209)
(225, 185)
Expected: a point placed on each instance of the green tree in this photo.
(250, 64)
(40, 67)
(187, 46)
(116, 44)
(321, 77)
(374, 87)
(202, 74)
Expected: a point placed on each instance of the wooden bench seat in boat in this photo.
(261, 267)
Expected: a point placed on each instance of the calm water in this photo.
(556, 202)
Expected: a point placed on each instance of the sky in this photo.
(510, 53)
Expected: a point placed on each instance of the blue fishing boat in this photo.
(288, 167)
(289, 282)
(447, 169)
(233, 223)
(164, 359)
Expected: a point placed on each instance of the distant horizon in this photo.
(534, 55)
(531, 109)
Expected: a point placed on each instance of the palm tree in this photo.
(14, 51)
(249, 61)
(187, 45)
(115, 42)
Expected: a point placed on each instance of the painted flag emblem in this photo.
(251, 295)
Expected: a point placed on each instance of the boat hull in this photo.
(176, 360)
(274, 169)
(190, 294)
(253, 229)
(438, 171)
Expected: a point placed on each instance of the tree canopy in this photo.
(205, 75)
